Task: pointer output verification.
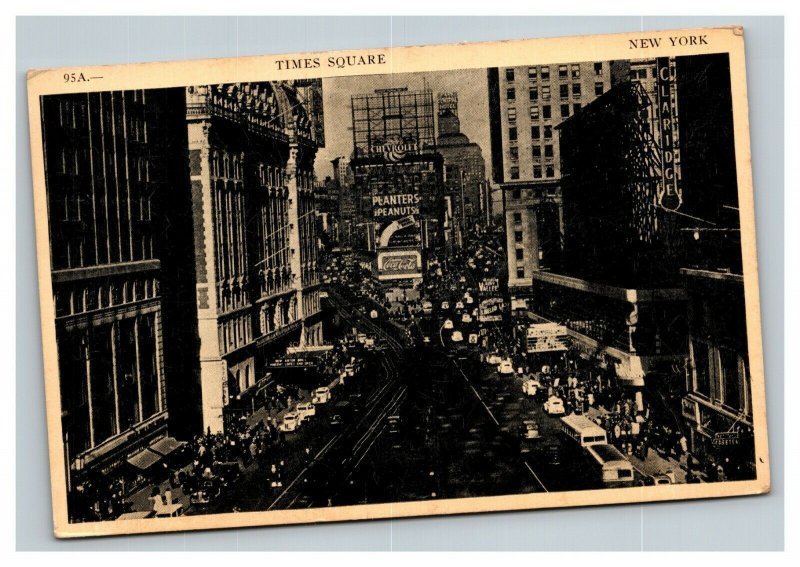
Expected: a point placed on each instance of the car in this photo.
(426, 339)
(457, 336)
(661, 479)
(305, 410)
(552, 454)
(460, 305)
(448, 324)
(350, 370)
(393, 424)
(468, 300)
(530, 429)
(493, 358)
(554, 406)
(462, 279)
(466, 318)
(322, 395)
(505, 367)
(531, 386)
(473, 338)
(445, 305)
(289, 422)
(427, 307)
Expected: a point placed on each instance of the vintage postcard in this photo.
(398, 282)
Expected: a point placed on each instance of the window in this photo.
(534, 113)
(549, 171)
(512, 114)
(655, 73)
(509, 74)
(546, 112)
(548, 151)
(532, 73)
(548, 132)
(520, 254)
(514, 153)
(545, 92)
(515, 172)
(700, 358)
(520, 272)
(511, 94)
(642, 73)
(598, 69)
(517, 218)
(576, 71)
(576, 90)
(576, 108)
(512, 134)
(564, 111)
(516, 194)
(536, 132)
(533, 92)
(545, 74)
(517, 236)
(537, 151)
(598, 89)
(563, 91)
(537, 171)
(562, 71)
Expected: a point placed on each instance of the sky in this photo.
(473, 107)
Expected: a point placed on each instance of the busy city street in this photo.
(395, 300)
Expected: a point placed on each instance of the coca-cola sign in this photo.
(399, 263)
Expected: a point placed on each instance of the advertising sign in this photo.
(399, 264)
(491, 310)
(489, 285)
(395, 148)
(546, 337)
(670, 196)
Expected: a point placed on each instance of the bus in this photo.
(615, 469)
(583, 430)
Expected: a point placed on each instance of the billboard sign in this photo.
(547, 337)
(670, 195)
(395, 148)
(489, 285)
(491, 310)
(399, 264)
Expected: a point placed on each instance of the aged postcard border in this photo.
(402, 60)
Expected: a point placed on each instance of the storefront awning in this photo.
(166, 445)
(144, 459)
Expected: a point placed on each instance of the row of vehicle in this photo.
(294, 418)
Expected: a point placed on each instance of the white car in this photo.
(554, 406)
(448, 324)
(445, 305)
(289, 422)
(468, 300)
(457, 337)
(322, 395)
(473, 338)
(305, 410)
(427, 307)
(505, 367)
(466, 318)
(530, 387)
(494, 358)
(460, 305)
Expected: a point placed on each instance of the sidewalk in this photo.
(655, 464)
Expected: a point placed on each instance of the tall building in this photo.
(251, 154)
(464, 169)
(112, 167)
(348, 201)
(398, 181)
(525, 105)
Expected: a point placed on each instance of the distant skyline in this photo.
(473, 107)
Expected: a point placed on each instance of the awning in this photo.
(166, 445)
(144, 459)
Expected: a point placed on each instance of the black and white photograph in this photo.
(522, 285)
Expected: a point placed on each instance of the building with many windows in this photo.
(464, 171)
(251, 157)
(526, 104)
(110, 175)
